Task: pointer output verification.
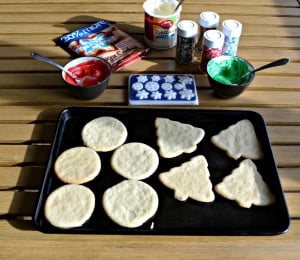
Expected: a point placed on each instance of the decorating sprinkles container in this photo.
(162, 89)
(232, 30)
(207, 21)
(187, 32)
(212, 45)
(161, 23)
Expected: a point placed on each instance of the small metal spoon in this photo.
(51, 62)
(275, 63)
(79, 81)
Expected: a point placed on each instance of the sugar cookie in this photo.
(104, 134)
(239, 140)
(77, 165)
(135, 161)
(246, 186)
(191, 179)
(130, 203)
(69, 206)
(175, 138)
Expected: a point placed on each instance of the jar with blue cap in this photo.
(187, 32)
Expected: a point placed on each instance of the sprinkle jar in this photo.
(207, 21)
(232, 30)
(212, 44)
(187, 32)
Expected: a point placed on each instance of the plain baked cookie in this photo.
(246, 186)
(239, 140)
(77, 165)
(175, 138)
(135, 161)
(191, 179)
(130, 203)
(104, 134)
(69, 206)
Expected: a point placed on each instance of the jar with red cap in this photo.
(212, 45)
(207, 21)
(187, 32)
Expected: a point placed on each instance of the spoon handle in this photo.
(179, 4)
(47, 60)
(273, 64)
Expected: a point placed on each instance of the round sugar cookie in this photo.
(69, 206)
(104, 134)
(77, 165)
(135, 161)
(130, 203)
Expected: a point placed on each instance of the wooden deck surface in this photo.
(32, 95)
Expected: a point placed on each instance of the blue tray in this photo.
(162, 89)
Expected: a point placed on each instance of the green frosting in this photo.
(228, 71)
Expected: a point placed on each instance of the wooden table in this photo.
(32, 94)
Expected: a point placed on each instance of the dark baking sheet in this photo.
(221, 217)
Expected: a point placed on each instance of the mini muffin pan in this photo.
(221, 217)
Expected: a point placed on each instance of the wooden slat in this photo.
(27, 114)
(176, 247)
(20, 133)
(17, 203)
(284, 134)
(93, 16)
(137, 8)
(290, 178)
(21, 177)
(283, 3)
(118, 97)
(12, 155)
(287, 155)
(292, 200)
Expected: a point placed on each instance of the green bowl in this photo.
(224, 73)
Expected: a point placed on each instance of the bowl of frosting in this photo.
(225, 75)
(87, 77)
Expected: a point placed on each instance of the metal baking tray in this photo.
(221, 217)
